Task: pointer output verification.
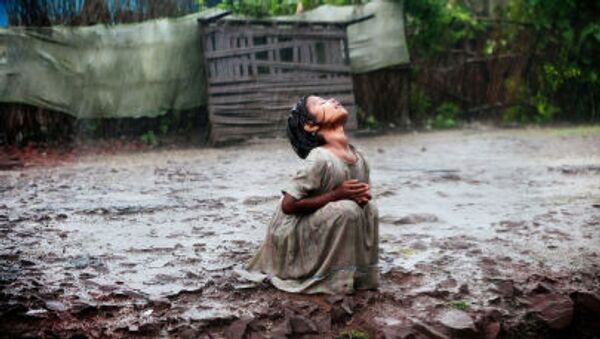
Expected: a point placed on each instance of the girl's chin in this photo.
(343, 118)
(343, 114)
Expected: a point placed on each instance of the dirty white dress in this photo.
(332, 250)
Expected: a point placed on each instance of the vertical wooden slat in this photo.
(253, 70)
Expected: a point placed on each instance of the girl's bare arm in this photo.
(349, 189)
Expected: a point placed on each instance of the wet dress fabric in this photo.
(332, 250)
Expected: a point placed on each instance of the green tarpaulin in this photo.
(374, 44)
(128, 70)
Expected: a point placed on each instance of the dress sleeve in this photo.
(367, 170)
(308, 179)
(366, 166)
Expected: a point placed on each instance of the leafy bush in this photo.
(419, 104)
(535, 109)
(563, 79)
(164, 124)
(149, 138)
(445, 116)
(435, 25)
(367, 120)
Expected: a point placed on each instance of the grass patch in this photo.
(405, 252)
(354, 334)
(577, 131)
(459, 305)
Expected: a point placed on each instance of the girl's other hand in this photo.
(351, 190)
(363, 199)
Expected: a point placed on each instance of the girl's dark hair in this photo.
(302, 141)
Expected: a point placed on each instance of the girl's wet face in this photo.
(326, 111)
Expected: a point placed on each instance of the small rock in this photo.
(84, 307)
(56, 306)
(27, 263)
(335, 299)
(447, 283)
(543, 287)
(348, 305)
(160, 303)
(87, 275)
(302, 325)
(492, 329)
(426, 331)
(411, 219)
(418, 245)
(450, 177)
(554, 309)
(323, 322)
(490, 323)
(149, 329)
(282, 330)
(504, 288)
(588, 302)
(408, 329)
(37, 313)
(457, 320)
(80, 262)
(237, 329)
(396, 329)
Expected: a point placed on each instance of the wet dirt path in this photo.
(482, 233)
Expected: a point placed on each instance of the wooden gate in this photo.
(257, 69)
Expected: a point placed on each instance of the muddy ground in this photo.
(483, 233)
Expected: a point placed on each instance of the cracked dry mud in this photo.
(483, 234)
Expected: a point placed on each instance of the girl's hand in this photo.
(363, 199)
(351, 189)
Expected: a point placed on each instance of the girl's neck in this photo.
(335, 138)
(337, 142)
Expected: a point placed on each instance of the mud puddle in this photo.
(482, 234)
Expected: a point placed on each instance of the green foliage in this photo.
(543, 108)
(419, 103)
(367, 120)
(535, 109)
(436, 25)
(459, 305)
(354, 334)
(89, 127)
(261, 8)
(164, 124)
(562, 37)
(566, 43)
(149, 138)
(445, 116)
(579, 131)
